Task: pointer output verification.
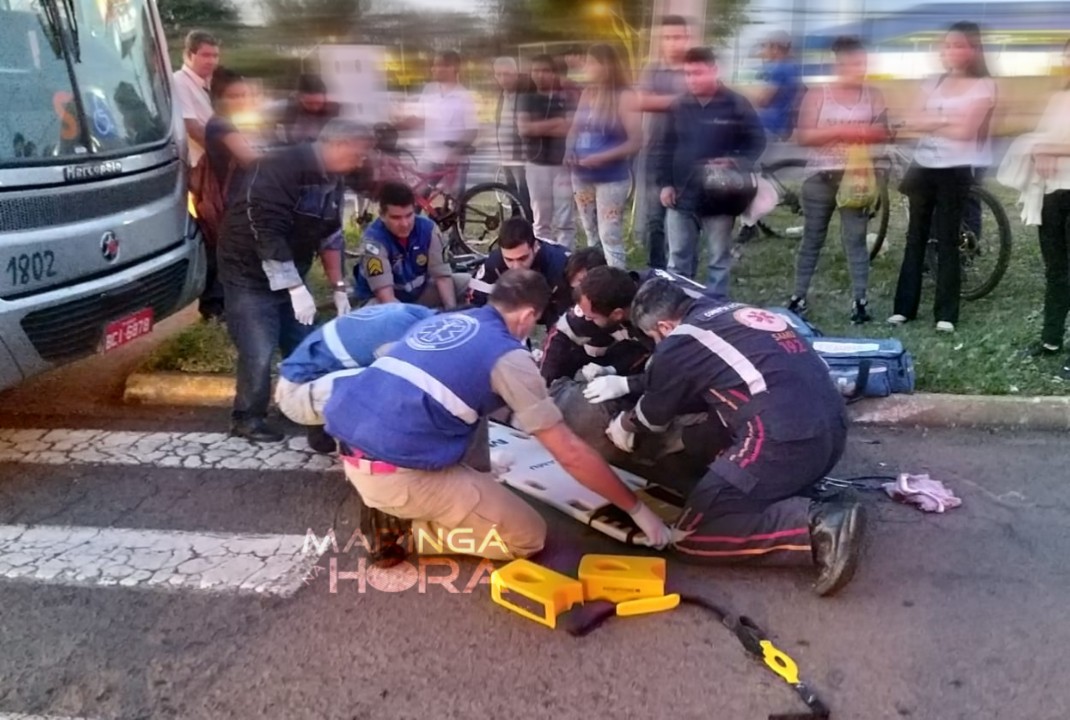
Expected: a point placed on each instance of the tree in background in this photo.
(316, 20)
(179, 16)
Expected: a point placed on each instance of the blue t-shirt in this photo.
(778, 117)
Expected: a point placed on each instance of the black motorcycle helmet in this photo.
(728, 188)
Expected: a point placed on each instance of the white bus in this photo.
(96, 245)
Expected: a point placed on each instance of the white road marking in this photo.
(18, 716)
(215, 451)
(217, 562)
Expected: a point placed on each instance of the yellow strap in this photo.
(644, 606)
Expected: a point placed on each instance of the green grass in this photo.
(981, 358)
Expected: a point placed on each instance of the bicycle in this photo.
(975, 244)
(471, 223)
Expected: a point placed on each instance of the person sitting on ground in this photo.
(595, 337)
(401, 252)
(342, 347)
(519, 248)
(788, 425)
(406, 456)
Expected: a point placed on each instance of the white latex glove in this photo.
(536, 355)
(658, 534)
(304, 305)
(592, 370)
(606, 388)
(621, 438)
(341, 302)
(501, 461)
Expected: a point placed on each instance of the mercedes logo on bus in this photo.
(109, 246)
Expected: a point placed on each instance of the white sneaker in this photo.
(945, 326)
(897, 319)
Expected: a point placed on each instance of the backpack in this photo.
(863, 367)
(209, 199)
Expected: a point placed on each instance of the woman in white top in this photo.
(832, 118)
(1051, 160)
(953, 117)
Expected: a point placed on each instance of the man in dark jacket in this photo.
(290, 211)
(708, 124)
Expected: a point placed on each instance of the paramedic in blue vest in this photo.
(403, 257)
(519, 248)
(404, 456)
(342, 347)
(788, 425)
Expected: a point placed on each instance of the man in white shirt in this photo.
(201, 57)
(448, 117)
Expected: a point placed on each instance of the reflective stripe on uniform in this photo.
(642, 418)
(728, 353)
(415, 284)
(430, 385)
(335, 345)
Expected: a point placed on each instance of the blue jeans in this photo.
(259, 322)
(683, 229)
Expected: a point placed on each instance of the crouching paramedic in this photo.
(404, 456)
(788, 425)
(403, 257)
(342, 347)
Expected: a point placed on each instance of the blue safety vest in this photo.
(408, 264)
(350, 341)
(419, 406)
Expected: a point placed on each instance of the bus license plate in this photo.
(127, 329)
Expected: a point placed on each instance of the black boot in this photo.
(387, 535)
(320, 441)
(837, 528)
(256, 431)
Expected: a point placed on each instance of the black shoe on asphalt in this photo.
(837, 528)
(797, 305)
(256, 431)
(320, 441)
(860, 313)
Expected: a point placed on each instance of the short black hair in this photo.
(846, 44)
(700, 55)
(450, 58)
(516, 232)
(608, 289)
(586, 258)
(544, 59)
(395, 194)
(311, 84)
(518, 289)
(575, 50)
(674, 21)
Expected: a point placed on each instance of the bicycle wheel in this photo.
(985, 249)
(483, 211)
(883, 212)
(787, 177)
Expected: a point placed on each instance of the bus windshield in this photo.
(79, 78)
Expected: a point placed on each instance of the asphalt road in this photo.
(953, 616)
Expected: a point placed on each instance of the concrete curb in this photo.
(922, 409)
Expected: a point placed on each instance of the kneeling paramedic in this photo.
(403, 257)
(405, 456)
(342, 347)
(788, 425)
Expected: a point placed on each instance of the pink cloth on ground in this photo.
(921, 490)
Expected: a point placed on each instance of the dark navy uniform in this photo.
(549, 262)
(787, 422)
